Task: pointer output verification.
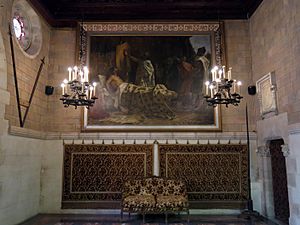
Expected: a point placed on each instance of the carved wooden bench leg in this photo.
(166, 217)
(188, 216)
(121, 215)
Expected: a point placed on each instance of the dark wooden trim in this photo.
(15, 75)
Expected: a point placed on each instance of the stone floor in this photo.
(45, 219)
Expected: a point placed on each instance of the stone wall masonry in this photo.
(294, 177)
(20, 166)
(239, 58)
(275, 47)
(20, 158)
(62, 55)
(275, 35)
(63, 51)
(27, 68)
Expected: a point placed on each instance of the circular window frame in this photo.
(31, 45)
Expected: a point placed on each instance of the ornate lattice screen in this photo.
(94, 174)
(215, 175)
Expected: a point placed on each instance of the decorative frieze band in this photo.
(151, 27)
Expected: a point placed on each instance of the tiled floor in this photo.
(137, 220)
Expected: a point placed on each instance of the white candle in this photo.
(211, 90)
(229, 73)
(94, 84)
(91, 91)
(239, 83)
(206, 89)
(63, 88)
(81, 75)
(213, 73)
(82, 88)
(70, 73)
(224, 74)
(75, 72)
(220, 74)
(65, 82)
(86, 74)
(234, 86)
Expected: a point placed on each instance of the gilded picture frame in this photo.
(150, 75)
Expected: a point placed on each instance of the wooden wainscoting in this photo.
(94, 174)
(215, 175)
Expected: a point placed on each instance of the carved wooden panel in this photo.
(94, 174)
(214, 174)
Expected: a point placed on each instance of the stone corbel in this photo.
(285, 150)
(263, 151)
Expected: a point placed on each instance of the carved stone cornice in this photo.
(263, 151)
(285, 150)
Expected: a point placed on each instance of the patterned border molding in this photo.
(285, 150)
(263, 151)
(145, 27)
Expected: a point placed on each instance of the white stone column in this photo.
(266, 181)
(156, 159)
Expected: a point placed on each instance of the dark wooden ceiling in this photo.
(67, 12)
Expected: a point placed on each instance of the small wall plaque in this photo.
(266, 88)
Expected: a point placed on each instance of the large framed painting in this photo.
(151, 75)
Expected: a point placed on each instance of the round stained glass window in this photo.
(26, 28)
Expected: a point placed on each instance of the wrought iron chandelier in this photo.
(77, 90)
(222, 89)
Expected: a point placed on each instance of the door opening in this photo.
(279, 176)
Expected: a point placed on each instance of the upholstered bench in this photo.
(154, 195)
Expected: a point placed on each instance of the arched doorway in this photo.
(279, 181)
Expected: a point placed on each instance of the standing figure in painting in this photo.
(151, 102)
(186, 77)
(99, 110)
(123, 61)
(145, 71)
(172, 79)
(200, 75)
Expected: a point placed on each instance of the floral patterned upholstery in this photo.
(154, 195)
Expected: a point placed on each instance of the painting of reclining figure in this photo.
(150, 82)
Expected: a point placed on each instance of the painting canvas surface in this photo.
(149, 82)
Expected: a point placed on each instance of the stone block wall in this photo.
(239, 58)
(26, 68)
(20, 158)
(275, 47)
(62, 54)
(63, 51)
(275, 44)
